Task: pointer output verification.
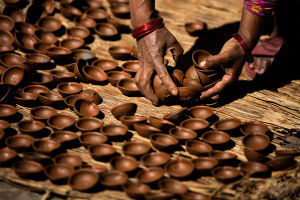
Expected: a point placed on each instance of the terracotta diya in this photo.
(78, 31)
(159, 194)
(6, 23)
(179, 168)
(155, 159)
(70, 159)
(88, 124)
(6, 37)
(204, 165)
(42, 113)
(106, 31)
(85, 21)
(58, 173)
(177, 116)
(41, 78)
(62, 76)
(84, 54)
(61, 121)
(105, 65)
(72, 43)
(195, 28)
(255, 169)
(85, 108)
(51, 99)
(163, 141)
(28, 169)
(83, 179)
(198, 148)
(230, 125)
(49, 24)
(216, 138)
(135, 189)
(92, 138)
(194, 196)
(7, 110)
(38, 157)
(124, 163)
(15, 13)
(94, 3)
(173, 186)
(35, 89)
(59, 54)
(136, 148)
(13, 75)
(283, 152)
(183, 134)
(161, 124)
(7, 155)
(42, 47)
(256, 142)
(150, 175)
(35, 12)
(5, 92)
(46, 37)
(5, 47)
(97, 14)
(226, 174)
(79, 65)
(25, 42)
(129, 121)
(19, 142)
(120, 10)
(128, 87)
(4, 125)
(224, 158)
(31, 127)
(46, 146)
(65, 138)
(115, 76)
(280, 163)
(131, 67)
(113, 179)
(145, 130)
(69, 88)
(254, 127)
(201, 112)
(195, 124)
(94, 75)
(120, 52)
(102, 152)
(25, 28)
(252, 155)
(68, 10)
(114, 131)
(126, 109)
(26, 99)
(93, 95)
(178, 76)
(70, 100)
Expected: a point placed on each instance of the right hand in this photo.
(151, 51)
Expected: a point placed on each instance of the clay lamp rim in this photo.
(41, 87)
(58, 177)
(147, 155)
(42, 150)
(49, 97)
(214, 162)
(145, 129)
(40, 124)
(261, 147)
(93, 95)
(194, 54)
(115, 49)
(78, 39)
(28, 137)
(132, 160)
(110, 78)
(77, 157)
(83, 28)
(172, 186)
(175, 116)
(122, 87)
(114, 64)
(73, 119)
(147, 170)
(5, 56)
(90, 133)
(153, 141)
(45, 77)
(42, 26)
(123, 127)
(64, 92)
(77, 102)
(52, 54)
(177, 173)
(13, 110)
(9, 72)
(84, 170)
(288, 152)
(146, 146)
(113, 173)
(4, 124)
(264, 128)
(193, 150)
(92, 77)
(12, 38)
(98, 10)
(203, 121)
(195, 108)
(237, 125)
(205, 137)
(135, 188)
(11, 21)
(173, 132)
(231, 156)
(73, 136)
(107, 25)
(7, 154)
(118, 111)
(60, 74)
(155, 121)
(252, 167)
(129, 120)
(98, 121)
(29, 58)
(16, 167)
(130, 62)
(221, 177)
(25, 96)
(32, 111)
(93, 153)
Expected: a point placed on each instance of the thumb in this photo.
(177, 52)
(215, 61)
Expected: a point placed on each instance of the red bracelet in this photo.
(249, 56)
(146, 29)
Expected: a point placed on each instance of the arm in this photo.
(152, 49)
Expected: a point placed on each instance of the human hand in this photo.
(231, 58)
(152, 50)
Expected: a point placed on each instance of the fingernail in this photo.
(202, 64)
(174, 92)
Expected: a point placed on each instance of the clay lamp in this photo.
(116, 1)
(65, 138)
(5, 92)
(150, 175)
(131, 67)
(86, 124)
(85, 21)
(48, 5)
(161, 124)
(145, 130)
(159, 194)
(41, 78)
(99, 168)
(51, 99)
(194, 195)
(94, 3)
(120, 52)
(173, 186)
(42, 47)
(179, 168)
(61, 121)
(230, 126)
(163, 141)
(204, 165)
(78, 31)
(105, 65)
(201, 112)
(42, 113)
(7, 111)
(70, 159)
(72, 43)
(58, 54)
(135, 189)
(37, 60)
(252, 155)
(195, 28)
(49, 24)
(6, 37)
(25, 42)
(226, 174)
(182, 134)
(120, 10)
(255, 169)
(178, 76)
(176, 116)
(26, 99)
(46, 37)
(224, 158)
(70, 100)
(155, 159)
(28, 169)
(85, 108)
(79, 64)
(6, 23)
(97, 14)
(46, 146)
(254, 127)
(113, 179)
(129, 121)
(115, 76)
(125, 164)
(24, 27)
(195, 124)
(281, 163)
(19, 142)
(136, 148)
(68, 10)
(4, 125)
(70, 67)
(5, 47)
(35, 12)
(187, 94)
(7, 156)
(58, 173)
(114, 131)
(106, 31)
(69, 88)
(32, 127)
(198, 148)
(126, 109)
(84, 180)
(94, 75)
(13, 75)
(15, 13)
(38, 157)
(62, 76)
(84, 54)
(102, 152)
(256, 142)
(92, 95)
(35, 89)
(92, 138)
(217, 139)
(283, 152)
(128, 87)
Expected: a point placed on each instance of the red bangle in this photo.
(148, 28)
(249, 56)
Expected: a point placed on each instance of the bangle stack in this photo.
(148, 28)
(248, 54)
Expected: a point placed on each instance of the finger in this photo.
(177, 52)
(216, 60)
(215, 98)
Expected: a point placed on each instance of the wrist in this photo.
(247, 51)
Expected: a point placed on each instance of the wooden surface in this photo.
(279, 109)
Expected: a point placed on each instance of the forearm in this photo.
(142, 11)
